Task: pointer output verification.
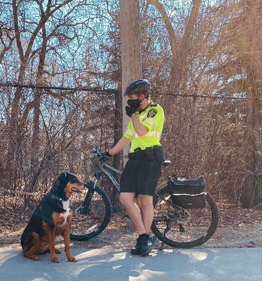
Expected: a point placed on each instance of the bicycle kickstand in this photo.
(168, 224)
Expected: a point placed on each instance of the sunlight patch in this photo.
(195, 256)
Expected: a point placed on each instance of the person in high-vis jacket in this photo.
(143, 169)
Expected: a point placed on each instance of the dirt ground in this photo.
(238, 227)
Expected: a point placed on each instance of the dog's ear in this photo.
(62, 176)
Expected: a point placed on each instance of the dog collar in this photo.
(56, 197)
(64, 203)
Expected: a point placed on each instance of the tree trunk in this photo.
(251, 190)
(37, 102)
(130, 52)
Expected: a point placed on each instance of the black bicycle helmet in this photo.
(141, 83)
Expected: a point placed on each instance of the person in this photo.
(143, 169)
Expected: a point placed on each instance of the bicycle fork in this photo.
(91, 188)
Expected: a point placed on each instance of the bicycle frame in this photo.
(103, 168)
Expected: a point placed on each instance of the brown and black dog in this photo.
(52, 217)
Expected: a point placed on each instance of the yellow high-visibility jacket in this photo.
(153, 118)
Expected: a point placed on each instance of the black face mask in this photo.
(134, 103)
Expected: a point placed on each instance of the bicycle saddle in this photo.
(166, 163)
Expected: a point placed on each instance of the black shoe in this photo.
(146, 246)
(138, 247)
(136, 251)
(143, 246)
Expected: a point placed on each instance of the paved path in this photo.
(232, 264)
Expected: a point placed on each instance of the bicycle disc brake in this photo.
(183, 217)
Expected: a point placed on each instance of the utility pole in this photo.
(131, 59)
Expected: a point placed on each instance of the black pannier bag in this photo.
(188, 193)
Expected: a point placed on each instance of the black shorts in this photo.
(140, 176)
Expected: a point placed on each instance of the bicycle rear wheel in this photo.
(188, 227)
(91, 217)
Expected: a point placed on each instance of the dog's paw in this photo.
(34, 258)
(72, 259)
(54, 259)
(57, 251)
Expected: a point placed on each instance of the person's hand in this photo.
(105, 156)
(129, 110)
(132, 106)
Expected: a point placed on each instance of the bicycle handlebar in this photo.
(102, 158)
(97, 152)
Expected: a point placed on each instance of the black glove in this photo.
(129, 110)
(133, 106)
(105, 156)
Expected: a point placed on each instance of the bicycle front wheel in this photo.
(91, 217)
(184, 228)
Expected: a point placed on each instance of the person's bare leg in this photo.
(127, 200)
(147, 211)
(141, 220)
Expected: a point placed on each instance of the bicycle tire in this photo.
(91, 224)
(198, 225)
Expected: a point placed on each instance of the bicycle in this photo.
(172, 224)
